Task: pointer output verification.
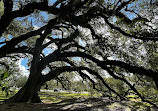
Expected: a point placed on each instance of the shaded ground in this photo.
(78, 104)
(75, 102)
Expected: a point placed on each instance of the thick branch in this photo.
(9, 46)
(7, 18)
(134, 69)
(61, 41)
(29, 8)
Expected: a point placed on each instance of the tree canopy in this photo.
(94, 38)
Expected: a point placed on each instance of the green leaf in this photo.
(4, 75)
(155, 54)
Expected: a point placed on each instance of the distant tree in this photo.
(9, 70)
(95, 38)
(20, 81)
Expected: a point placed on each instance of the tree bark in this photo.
(28, 93)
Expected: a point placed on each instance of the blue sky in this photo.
(23, 66)
(24, 62)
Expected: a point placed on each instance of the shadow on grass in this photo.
(88, 104)
(73, 102)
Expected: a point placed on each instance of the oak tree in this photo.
(95, 38)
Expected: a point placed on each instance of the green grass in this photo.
(3, 95)
(55, 97)
(59, 96)
(52, 96)
(64, 97)
(133, 97)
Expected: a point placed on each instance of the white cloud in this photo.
(156, 17)
(82, 43)
(22, 68)
(45, 71)
(113, 58)
(53, 46)
(99, 57)
(35, 27)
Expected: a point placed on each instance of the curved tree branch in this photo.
(60, 70)
(133, 69)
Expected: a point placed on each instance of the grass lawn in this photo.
(55, 97)
(4, 97)
(60, 101)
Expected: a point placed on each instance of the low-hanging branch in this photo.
(60, 70)
(133, 69)
(104, 67)
(117, 77)
(130, 85)
(81, 73)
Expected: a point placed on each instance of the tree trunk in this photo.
(28, 93)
